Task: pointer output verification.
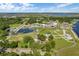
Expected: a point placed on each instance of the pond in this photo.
(76, 28)
(25, 30)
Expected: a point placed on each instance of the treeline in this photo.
(64, 19)
(40, 19)
(5, 25)
(5, 22)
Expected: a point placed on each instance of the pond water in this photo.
(76, 28)
(25, 30)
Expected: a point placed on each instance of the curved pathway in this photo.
(73, 44)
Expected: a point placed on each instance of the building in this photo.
(52, 24)
(67, 36)
(49, 24)
(65, 25)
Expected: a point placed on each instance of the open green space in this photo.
(73, 51)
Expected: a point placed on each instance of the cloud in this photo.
(63, 5)
(75, 8)
(24, 7)
(6, 7)
(9, 6)
(27, 7)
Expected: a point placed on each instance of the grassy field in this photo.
(61, 43)
(20, 36)
(74, 51)
(14, 25)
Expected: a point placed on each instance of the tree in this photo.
(23, 54)
(9, 54)
(47, 54)
(50, 37)
(52, 43)
(2, 38)
(4, 43)
(22, 44)
(28, 40)
(32, 20)
(35, 45)
(12, 54)
(13, 44)
(49, 46)
(3, 33)
(36, 52)
(41, 37)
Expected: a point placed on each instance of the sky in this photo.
(39, 7)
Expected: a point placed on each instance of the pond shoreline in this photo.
(75, 28)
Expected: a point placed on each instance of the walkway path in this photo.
(19, 50)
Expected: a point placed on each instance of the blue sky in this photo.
(39, 7)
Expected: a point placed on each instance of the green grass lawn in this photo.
(53, 31)
(73, 51)
(20, 36)
(69, 52)
(61, 43)
(14, 25)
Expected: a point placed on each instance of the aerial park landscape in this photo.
(39, 34)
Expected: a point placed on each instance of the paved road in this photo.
(19, 50)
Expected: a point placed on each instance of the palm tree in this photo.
(41, 37)
(48, 47)
(50, 37)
